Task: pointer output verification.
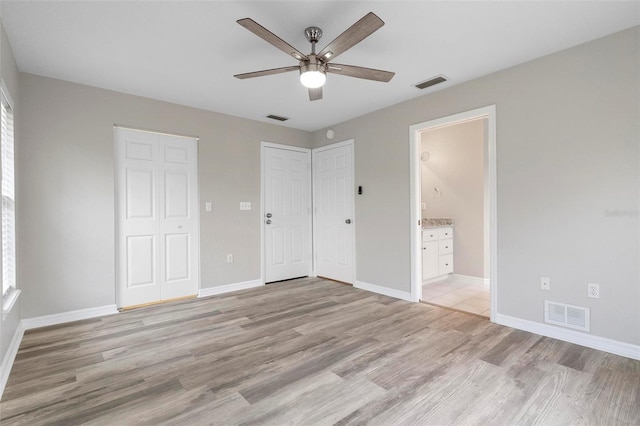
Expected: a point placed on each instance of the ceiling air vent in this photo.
(277, 117)
(566, 315)
(431, 82)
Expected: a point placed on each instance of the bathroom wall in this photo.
(455, 167)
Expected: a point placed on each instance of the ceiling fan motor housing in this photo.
(313, 64)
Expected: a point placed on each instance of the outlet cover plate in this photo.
(593, 290)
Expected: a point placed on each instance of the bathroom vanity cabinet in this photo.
(437, 252)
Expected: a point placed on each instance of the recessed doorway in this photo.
(437, 234)
(452, 205)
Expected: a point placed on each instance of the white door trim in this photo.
(263, 146)
(490, 198)
(349, 143)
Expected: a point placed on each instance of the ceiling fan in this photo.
(314, 66)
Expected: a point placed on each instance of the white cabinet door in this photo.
(429, 259)
(287, 207)
(333, 202)
(157, 217)
(445, 264)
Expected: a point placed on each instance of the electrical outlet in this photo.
(545, 283)
(207, 206)
(245, 205)
(593, 290)
(424, 206)
(229, 258)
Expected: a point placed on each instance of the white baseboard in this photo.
(398, 294)
(212, 291)
(80, 314)
(579, 338)
(438, 278)
(10, 356)
(471, 280)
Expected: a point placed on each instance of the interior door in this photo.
(157, 222)
(334, 211)
(287, 212)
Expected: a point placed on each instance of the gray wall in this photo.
(567, 151)
(456, 169)
(66, 183)
(11, 77)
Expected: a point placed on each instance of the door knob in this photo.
(348, 221)
(269, 215)
(268, 222)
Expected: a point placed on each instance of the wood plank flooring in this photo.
(309, 352)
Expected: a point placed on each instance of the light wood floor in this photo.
(311, 352)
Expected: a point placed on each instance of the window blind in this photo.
(8, 198)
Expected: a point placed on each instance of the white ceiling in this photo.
(187, 52)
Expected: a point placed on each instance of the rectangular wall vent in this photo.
(431, 82)
(277, 117)
(566, 315)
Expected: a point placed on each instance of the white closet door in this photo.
(157, 217)
(287, 207)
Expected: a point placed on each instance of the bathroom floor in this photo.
(458, 294)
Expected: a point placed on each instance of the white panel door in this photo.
(157, 217)
(334, 211)
(287, 207)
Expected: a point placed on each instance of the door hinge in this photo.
(418, 222)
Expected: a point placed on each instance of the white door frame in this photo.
(263, 146)
(490, 197)
(350, 143)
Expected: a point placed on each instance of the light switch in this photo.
(207, 206)
(245, 205)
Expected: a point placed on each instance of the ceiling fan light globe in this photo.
(313, 79)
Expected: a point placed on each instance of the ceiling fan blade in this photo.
(360, 72)
(271, 38)
(267, 72)
(352, 36)
(315, 94)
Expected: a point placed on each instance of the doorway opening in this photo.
(453, 215)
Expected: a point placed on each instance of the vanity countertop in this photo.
(436, 222)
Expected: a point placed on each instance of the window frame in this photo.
(9, 295)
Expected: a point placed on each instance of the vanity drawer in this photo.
(445, 264)
(445, 246)
(430, 234)
(444, 233)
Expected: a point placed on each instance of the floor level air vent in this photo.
(277, 117)
(566, 315)
(431, 82)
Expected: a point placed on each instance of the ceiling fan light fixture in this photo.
(312, 76)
